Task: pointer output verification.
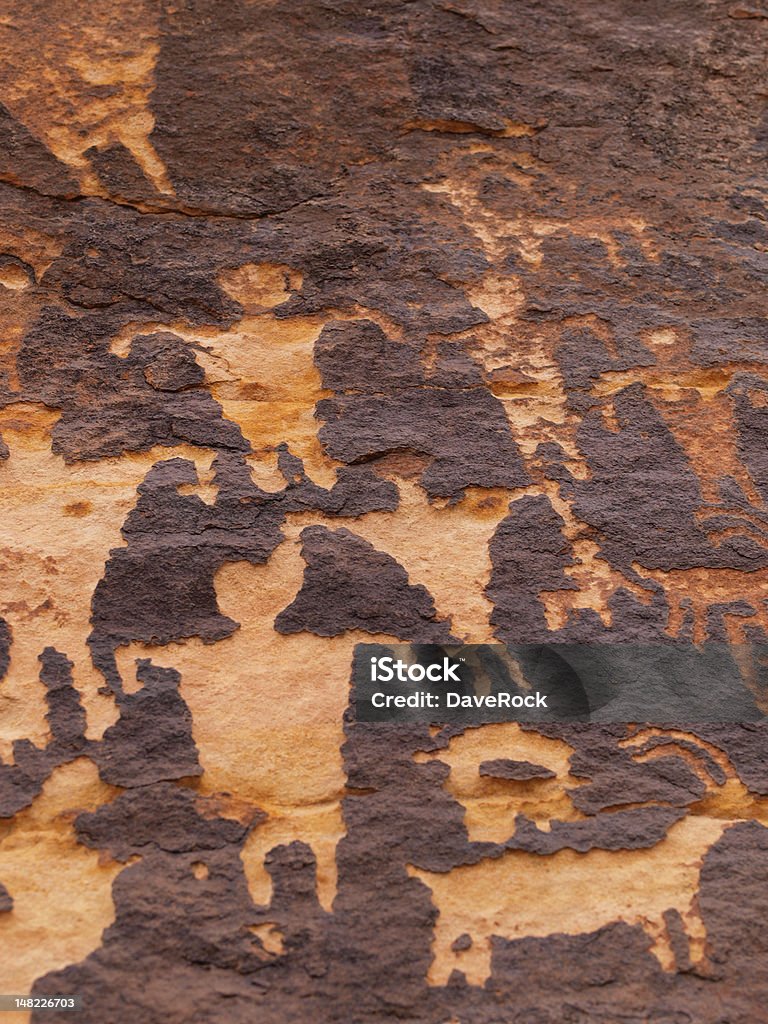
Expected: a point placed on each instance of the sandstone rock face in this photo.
(325, 323)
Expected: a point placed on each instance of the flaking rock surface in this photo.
(325, 323)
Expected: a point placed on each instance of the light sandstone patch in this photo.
(58, 524)
(62, 891)
(267, 715)
(491, 805)
(524, 894)
(86, 84)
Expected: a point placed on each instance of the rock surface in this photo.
(325, 323)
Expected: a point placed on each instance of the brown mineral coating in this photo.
(518, 771)
(512, 256)
(6, 900)
(22, 781)
(387, 404)
(342, 583)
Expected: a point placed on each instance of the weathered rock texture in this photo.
(325, 322)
